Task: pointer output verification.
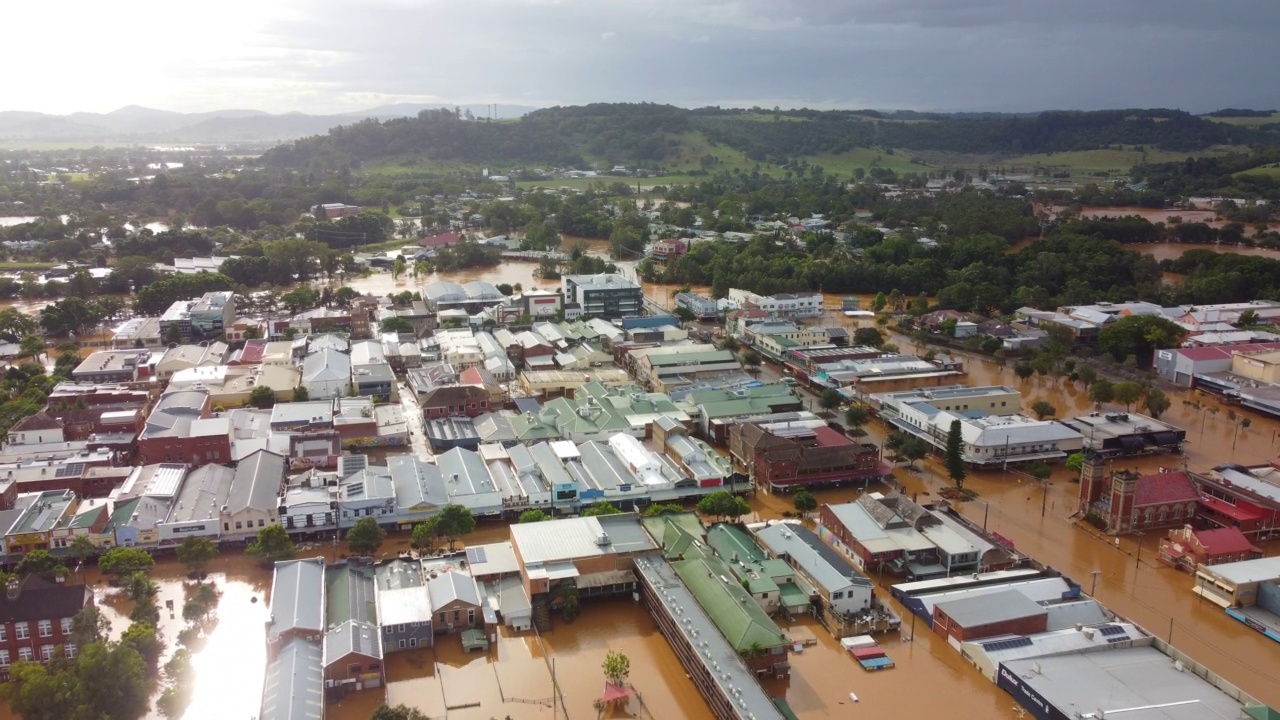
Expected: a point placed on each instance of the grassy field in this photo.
(843, 164)
(1272, 171)
(1247, 121)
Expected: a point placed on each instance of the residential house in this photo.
(455, 401)
(840, 589)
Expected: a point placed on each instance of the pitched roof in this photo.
(1223, 541)
(294, 684)
(450, 586)
(739, 618)
(297, 593)
(39, 421)
(40, 599)
(257, 482)
(1164, 488)
(453, 395)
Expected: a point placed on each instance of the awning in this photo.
(615, 692)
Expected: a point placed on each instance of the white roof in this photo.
(566, 539)
(1247, 571)
(404, 605)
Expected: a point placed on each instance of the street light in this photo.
(1138, 562)
(1094, 586)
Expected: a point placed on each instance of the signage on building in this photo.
(27, 539)
(1027, 697)
(187, 529)
(544, 301)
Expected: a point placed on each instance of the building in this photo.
(455, 401)
(607, 295)
(783, 304)
(404, 606)
(185, 357)
(1186, 548)
(990, 439)
(1184, 365)
(326, 374)
(455, 601)
(114, 366)
(887, 534)
(207, 317)
(293, 688)
(1245, 498)
(181, 429)
(1126, 433)
(1249, 590)
(668, 249)
(702, 307)
(538, 303)
(780, 458)
(137, 333)
(1008, 612)
(666, 368)
(1127, 502)
(472, 297)
(252, 501)
(862, 378)
(769, 581)
(839, 588)
(334, 211)
(728, 685)
(594, 555)
(231, 386)
(36, 618)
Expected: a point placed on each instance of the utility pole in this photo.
(1094, 586)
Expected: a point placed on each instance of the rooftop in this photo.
(297, 592)
(1247, 571)
(580, 537)
(992, 608)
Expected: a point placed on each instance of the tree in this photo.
(600, 507)
(1156, 403)
(659, 509)
(879, 302)
(423, 538)
(1086, 374)
(399, 712)
(723, 504)
(300, 394)
(830, 399)
(868, 336)
(196, 552)
(1127, 393)
(142, 638)
(31, 346)
(201, 604)
(533, 516)
(1043, 409)
(805, 502)
(1140, 336)
(454, 521)
(955, 454)
(617, 668)
(89, 625)
(855, 417)
(398, 268)
(1075, 462)
(82, 547)
(396, 324)
(752, 360)
(1023, 369)
(913, 449)
(1247, 319)
(107, 680)
(272, 544)
(345, 296)
(120, 562)
(262, 397)
(1039, 470)
(1102, 391)
(365, 537)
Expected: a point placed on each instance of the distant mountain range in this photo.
(143, 125)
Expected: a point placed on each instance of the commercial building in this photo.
(595, 555)
(1184, 365)
(185, 357)
(207, 317)
(1187, 548)
(1113, 434)
(293, 688)
(230, 387)
(786, 458)
(1245, 498)
(181, 429)
(114, 366)
(992, 436)
(782, 304)
(769, 581)
(702, 307)
(861, 378)
(252, 502)
(1249, 590)
(606, 295)
(1008, 612)
(471, 297)
(894, 533)
(137, 333)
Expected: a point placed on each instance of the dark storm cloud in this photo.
(929, 54)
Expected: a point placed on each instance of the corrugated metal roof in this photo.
(297, 596)
(294, 685)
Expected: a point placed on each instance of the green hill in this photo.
(673, 139)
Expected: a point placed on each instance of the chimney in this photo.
(12, 589)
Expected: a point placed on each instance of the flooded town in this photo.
(412, 410)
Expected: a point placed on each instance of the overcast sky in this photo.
(326, 56)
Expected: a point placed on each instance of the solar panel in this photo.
(1120, 639)
(70, 470)
(1009, 644)
(1108, 630)
(476, 555)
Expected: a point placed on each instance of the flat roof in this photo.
(1138, 683)
(1246, 571)
(988, 609)
(573, 538)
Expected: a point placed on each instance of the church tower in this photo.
(1092, 480)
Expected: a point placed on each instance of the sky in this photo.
(333, 56)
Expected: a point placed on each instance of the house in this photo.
(1186, 548)
(252, 503)
(36, 429)
(839, 587)
(668, 249)
(769, 581)
(404, 606)
(326, 374)
(455, 401)
(1127, 501)
(803, 457)
(352, 657)
(455, 601)
(36, 618)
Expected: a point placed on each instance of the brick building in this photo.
(1187, 548)
(1008, 612)
(803, 457)
(1128, 502)
(35, 618)
(455, 401)
(181, 429)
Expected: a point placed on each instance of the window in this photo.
(4, 633)
(46, 653)
(24, 653)
(239, 525)
(261, 523)
(4, 658)
(22, 631)
(226, 526)
(413, 642)
(837, 595)
(400, 628)
(401, 644)
(46, 628)
(69, 650)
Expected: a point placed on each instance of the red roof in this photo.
(1224, 541)
(1220, 352)
(471, 376)
(440, 240)
(1165, 488)
(1234, 512)
(828, 437)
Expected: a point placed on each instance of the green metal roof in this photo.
(731, 541)
(675, 533)
(784, 341)
(122, 515)
(738, 617)
(792, 596)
